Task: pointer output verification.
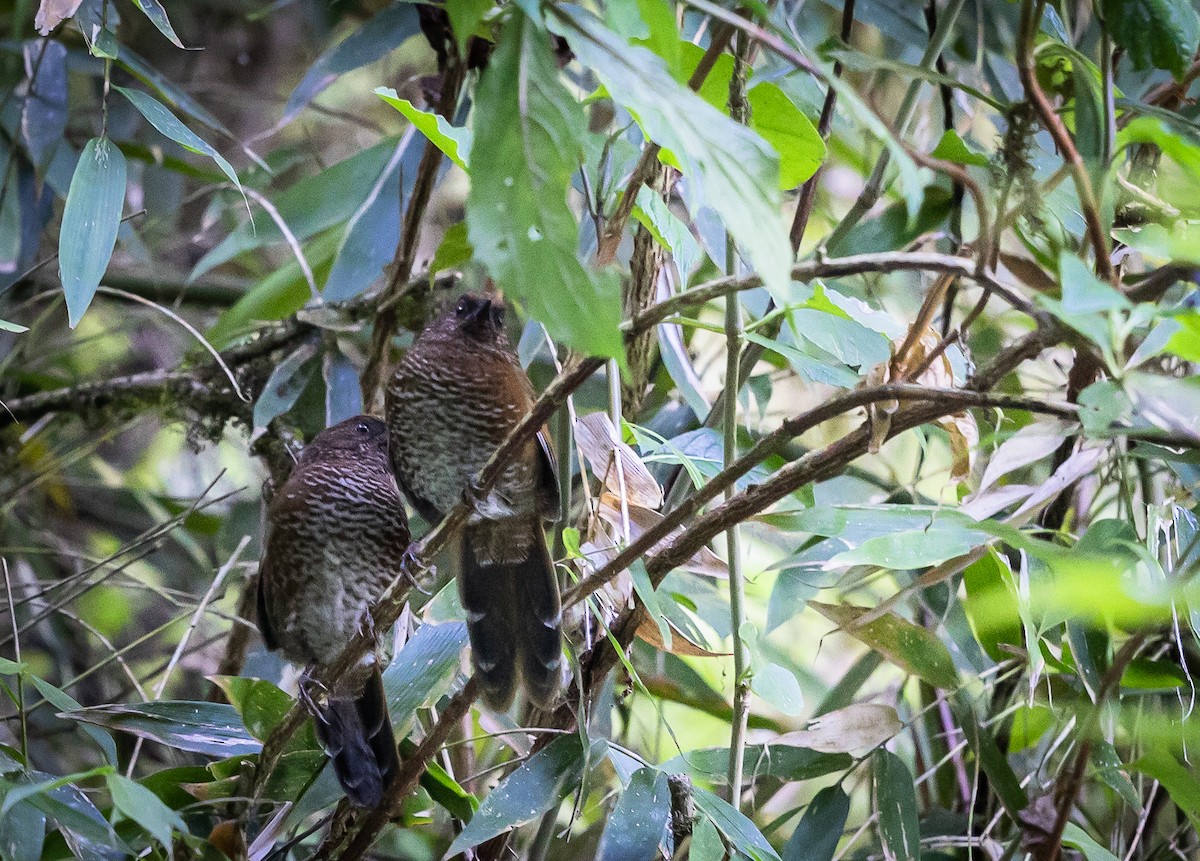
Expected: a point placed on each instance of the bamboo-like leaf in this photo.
(89, 225)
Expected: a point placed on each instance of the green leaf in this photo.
(1077, 838)
(168, 89)
(6, 326)
(989, 756)
(200, 727)
(454, 141)
(158, 16)
(453, 251)
(736, 171)
(421, 671)
(528, 145)
(738, 830)
(636, 825)
(138, 803)
(1179, 781)
(308, 206)
(782, 125)
(908, 646)
(276, 297)
(668, 230)
(378, 36)
(22, 833)
(537, 786)
(89, 223)
(778, 687)
(285, 385)
(1151, 676)
(988, 585)
(1161, 34)
(64, 703)
(465, 16)
(706, 842)
(896, 796)
(816, 837)
(261, 704)
(954, 149)
(782, 761)
(167, 123)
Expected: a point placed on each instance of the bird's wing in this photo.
(264, 620)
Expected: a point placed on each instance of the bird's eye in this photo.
(462, 308)
(362, 428)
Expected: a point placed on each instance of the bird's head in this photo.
(360, 435)
(480, 317)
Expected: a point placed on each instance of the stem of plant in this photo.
(870, 193)
(737, 585)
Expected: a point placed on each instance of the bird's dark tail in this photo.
(514, 614)
(356, 732)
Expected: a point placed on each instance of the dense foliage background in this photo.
(867, 332)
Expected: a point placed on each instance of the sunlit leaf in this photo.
(906, 645)
(528, 144)
(454, 141)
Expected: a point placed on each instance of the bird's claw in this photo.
(311, 692)
(412, 566)
(366, 626)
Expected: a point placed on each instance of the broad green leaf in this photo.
(454, 250)
(200, 727)
(1151, 676)
(44, 107)
(261, 704)
(420, 672)
(816, 837)
(954, 149)
(782, 125)
(379, 35)
(89, 223)
(528, 145)
(847, 340)
(442, 788)
(637, 822)
(897, 225)
(22, 833)
(67, 805)
(167, 123)
(736, 171)
(1083, 292)
(896, 797)
(308, 206)
(988, 583)
(1077, 838)
(706, 842)
(277, 296)
(1029, 724)
(465, 16)
(64, 702)
(668, 230)
(738, 830)
(778, 687)
(454, 141)
(537, 786)
(168, 89)
(1185, 340)
(158, 16)
(1160, 34)
(145, 808)
(908, 646)
(285, 385)
(779, 760)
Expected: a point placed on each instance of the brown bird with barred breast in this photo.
(454, 397)
(336, 536)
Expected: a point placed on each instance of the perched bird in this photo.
(336, 537)
(455, 395)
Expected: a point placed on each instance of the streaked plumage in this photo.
(336, 535)
(454, 397)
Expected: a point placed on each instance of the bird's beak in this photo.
(480, 313)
